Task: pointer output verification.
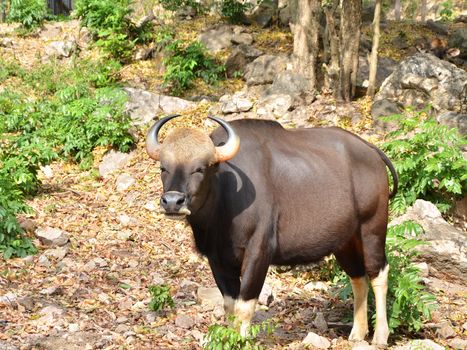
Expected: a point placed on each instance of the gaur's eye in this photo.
(163, 170)
(199, 170)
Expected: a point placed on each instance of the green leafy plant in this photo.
(227, 338)
(160, 297)
(447, 13)
(174, 5)
(409, 304)
(428, 160)
(187, 63)
(30, 13)
(109, 22)
(234, 10)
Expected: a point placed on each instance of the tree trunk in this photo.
(423, 11)
(306, 31)
(397, 10)
(374, 50)
(333, 67)
(351, 15)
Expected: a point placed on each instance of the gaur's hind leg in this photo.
(350, 257)
(374, 239)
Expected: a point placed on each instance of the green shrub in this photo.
(30, 13)
(227, 338)
(409, 305)
(428, 160)
(160, 297)
(109, 22)
(234, 10)
(447, 13)
(174, 5)
(70, 114)
(187, 63)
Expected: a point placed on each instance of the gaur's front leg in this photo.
(254, 269)
(228, 282)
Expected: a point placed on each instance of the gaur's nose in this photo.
(172, 201)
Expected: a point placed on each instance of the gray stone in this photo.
(242, 38)
(51, 236)
(316, 340)
(264, 69)
(112, 161)
(26, 302)
(424, 78)
(73, 327)
(43, 261)
(50, 314)
(274, 106)
(51, 291)
(217, 38)
(382, 108)
(57, 253)
(285, 16)
(419, 344)
(445, 330)
(266, 297)
(263, 14)
(210, 296)
(320, 323)
(6, 42)
(85, 36)
(7, 346)
(124, 182)
(454, 120)
(385, 68)
(144, 106)
(241, 55)
(122, 328)
(8, 299)
(438, 27)
(458, 39)
(235, 104)
(456, 343)
(184, 321)
(289, 83)
(424, 269)
(144, 53)
(61, 49)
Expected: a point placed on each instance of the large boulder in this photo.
(217, 38)
(241, 55)
(289, 83)
(264, 69)
(446, 253)
(459, 39)
(386, 67)
(422, 79)
(144, 106)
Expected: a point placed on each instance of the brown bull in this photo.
(256, 194)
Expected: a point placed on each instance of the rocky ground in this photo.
(102, 244)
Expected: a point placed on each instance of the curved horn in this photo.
(152, 143)
(231, 147)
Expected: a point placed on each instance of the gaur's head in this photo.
(188, 159)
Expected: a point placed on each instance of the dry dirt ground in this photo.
(93, 293)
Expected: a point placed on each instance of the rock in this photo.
(184, 321)
(112, 161)
(289, 83)
(285, 16)
(61, 49)
(151, 206)
(315, 285)
(241, 55)
(143, 53)
(437, 26)
(43, 261)
(47, 171)
(26, 302)
(274, 106)
(424, 78)
(445, 330)
(266, 297)
(386, 67)
(235, 103)
(50, 314)
(456, 343)
(446, 253)
(124, 220)
(210, 296)
(218, 312)
(186, 12)
(73, 327)
(57, 253)
(320, 323)
(6, 42)
(242, 39)
(363, 345)
(85, 36)
(27, 225)
(51, 31)
(144, 106)
(454, 120)
(263, 14)
(124, 182)
(217, 38)
(124, 235)
(151, 316)
(8, 299)
(458, 39)
(264, 69)
(51, 291)
(51, 236)
(418, 344)
(316, 341)
(122, 328)
(7, 346)
(383, 108)
(424, 269)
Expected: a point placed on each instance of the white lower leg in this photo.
(229, 305)
(380, 288)
(360, 308)
(244, 311)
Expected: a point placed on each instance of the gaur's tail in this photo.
(395, 179)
